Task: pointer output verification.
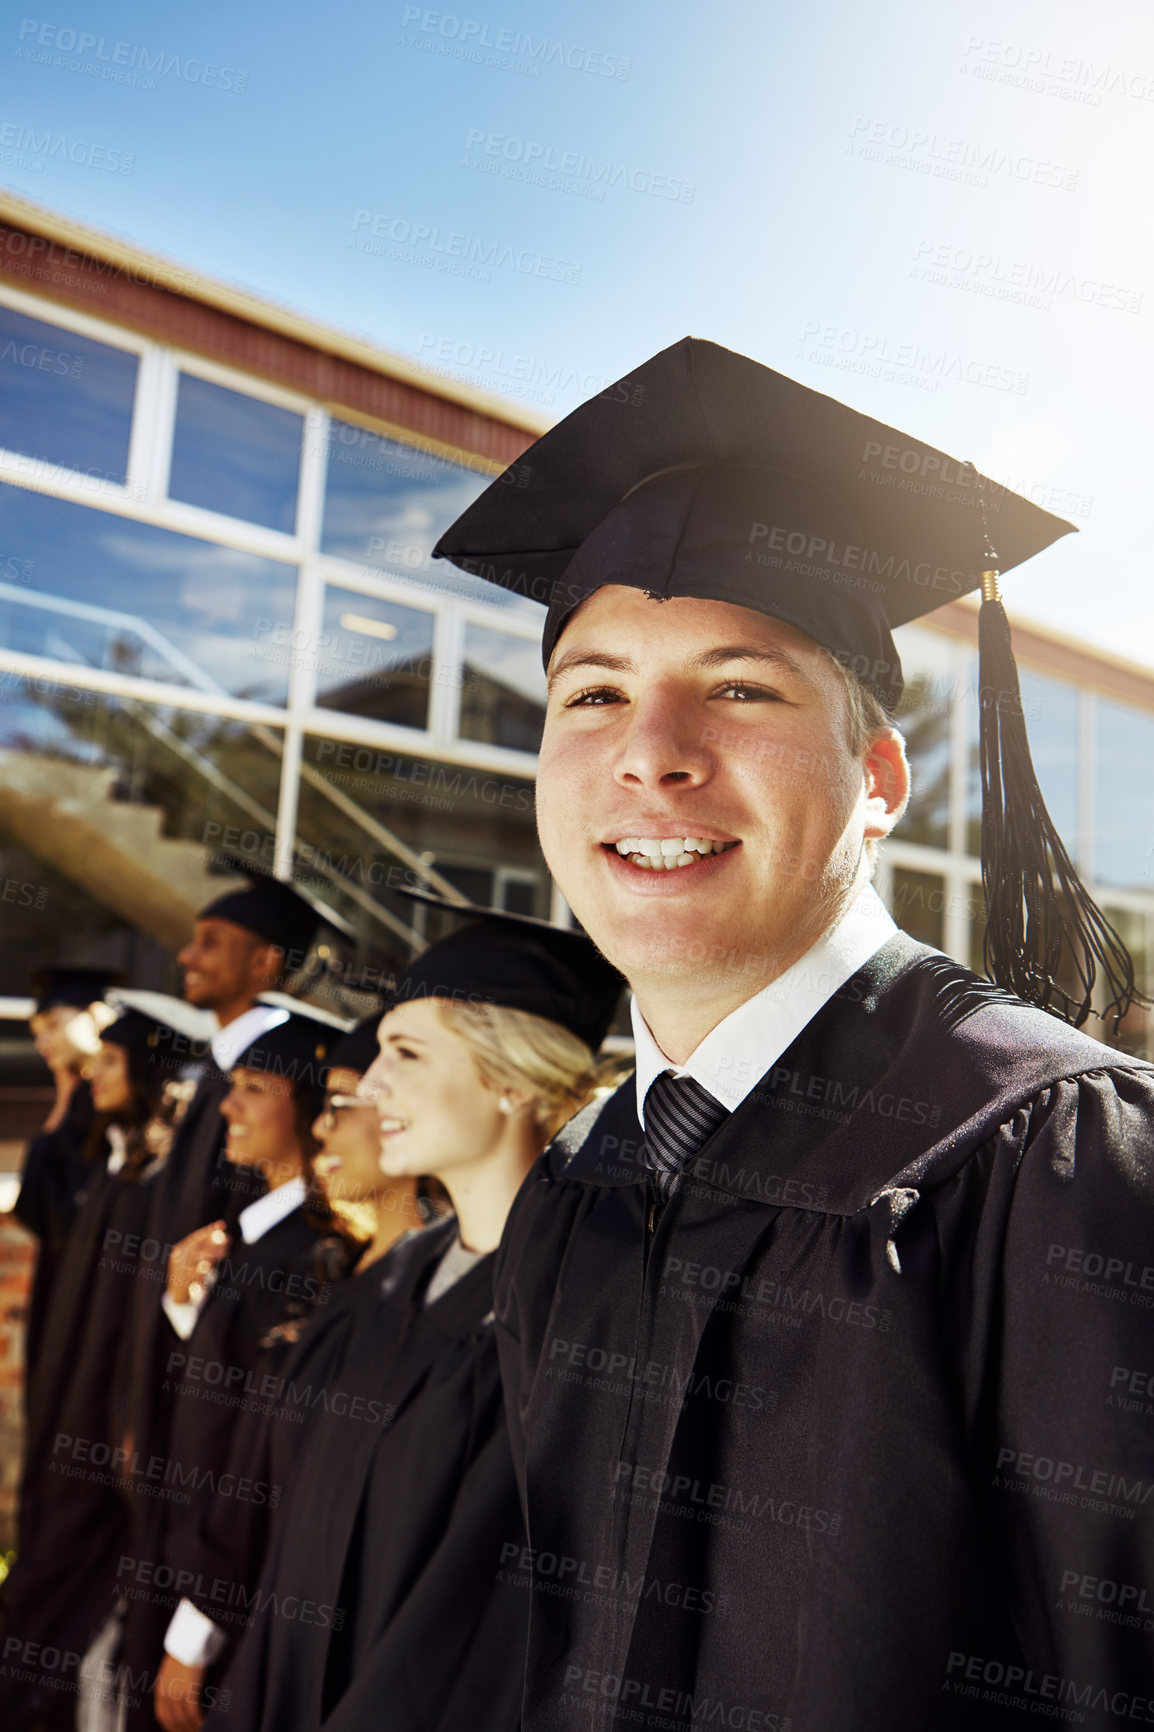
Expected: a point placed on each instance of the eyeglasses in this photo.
(338, 1104)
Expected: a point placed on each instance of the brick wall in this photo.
(17, 1261)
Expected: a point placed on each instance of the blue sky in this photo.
(940, 215)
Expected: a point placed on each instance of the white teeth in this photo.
(668, 852)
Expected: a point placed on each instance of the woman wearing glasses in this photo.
(388, 1597)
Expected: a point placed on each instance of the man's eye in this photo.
(592, 695)
(746, 693)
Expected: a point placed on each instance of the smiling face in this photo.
(226, 965)
(437, 1114)
(260, 1112)
(697, 798)
(110, 1082)
(348, 1164)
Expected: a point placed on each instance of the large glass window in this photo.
(65, 398)
(1124, 797)
(476, 827)
(235, 454)
(1050, 709)
(918, 903)
(112, 815)
(375, 658)
(503, 689)
(386, 504)
(924, 718)
(110, 593)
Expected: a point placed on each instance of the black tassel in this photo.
(1038, 912)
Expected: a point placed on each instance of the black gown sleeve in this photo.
(1070, 1440)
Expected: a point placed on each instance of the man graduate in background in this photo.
(805, 1388)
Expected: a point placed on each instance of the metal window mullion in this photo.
(448, 675)
(1087, 751)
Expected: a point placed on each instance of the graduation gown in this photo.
(73, 1518)
(195, 1186)
(258, 1286)
(387, 1599)
(219, 1547)
(849, 1442)
(51, 1184)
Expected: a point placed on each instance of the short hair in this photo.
(867, 717)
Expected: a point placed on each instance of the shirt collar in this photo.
(270, 1210)
(735, 1055)
(117, 1149)
(229, 1042)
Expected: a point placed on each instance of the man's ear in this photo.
(887, 782)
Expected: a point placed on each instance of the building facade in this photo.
(223, 640)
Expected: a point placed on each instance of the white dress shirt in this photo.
(254, 1222)
(734, 1056)
(192, 1638)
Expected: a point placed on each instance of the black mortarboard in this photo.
(270, 908)
(146, 1027)
(75, 986)
(706, 474)
(509, 959)
(357, 1049)
(297, 1048)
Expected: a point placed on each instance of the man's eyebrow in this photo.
(745, 652)
(589, 659)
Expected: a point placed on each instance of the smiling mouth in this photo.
(389, 1127)
(667, 853)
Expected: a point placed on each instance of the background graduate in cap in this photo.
(403, 1524)
(73, 1520)
(826, 1228)
(66, 1029)
(246, 941)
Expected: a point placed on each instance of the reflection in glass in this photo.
(117, 808)
(375, 658)
(924, 718)
(235, 454)
(503, 690)
(455, 817)
(1124, 797)
(918, 903)
(386, 503)
(110, 593)
(65, 398)
(1050, 709)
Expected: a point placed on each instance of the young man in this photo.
(816, 1423)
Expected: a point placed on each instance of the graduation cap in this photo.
(72, 986)
(267, 906)
(554, 972)
(147, 1022)
(297, 1048)
(357, 1049)
(706, 474)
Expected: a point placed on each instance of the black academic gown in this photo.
(844, 1445)
(257, 1287)
(388, 1598)
(51, 1184)
(73, 1520)
(217, 1550)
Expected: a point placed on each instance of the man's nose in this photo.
(664, 743)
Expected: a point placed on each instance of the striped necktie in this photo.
(680, 1116)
